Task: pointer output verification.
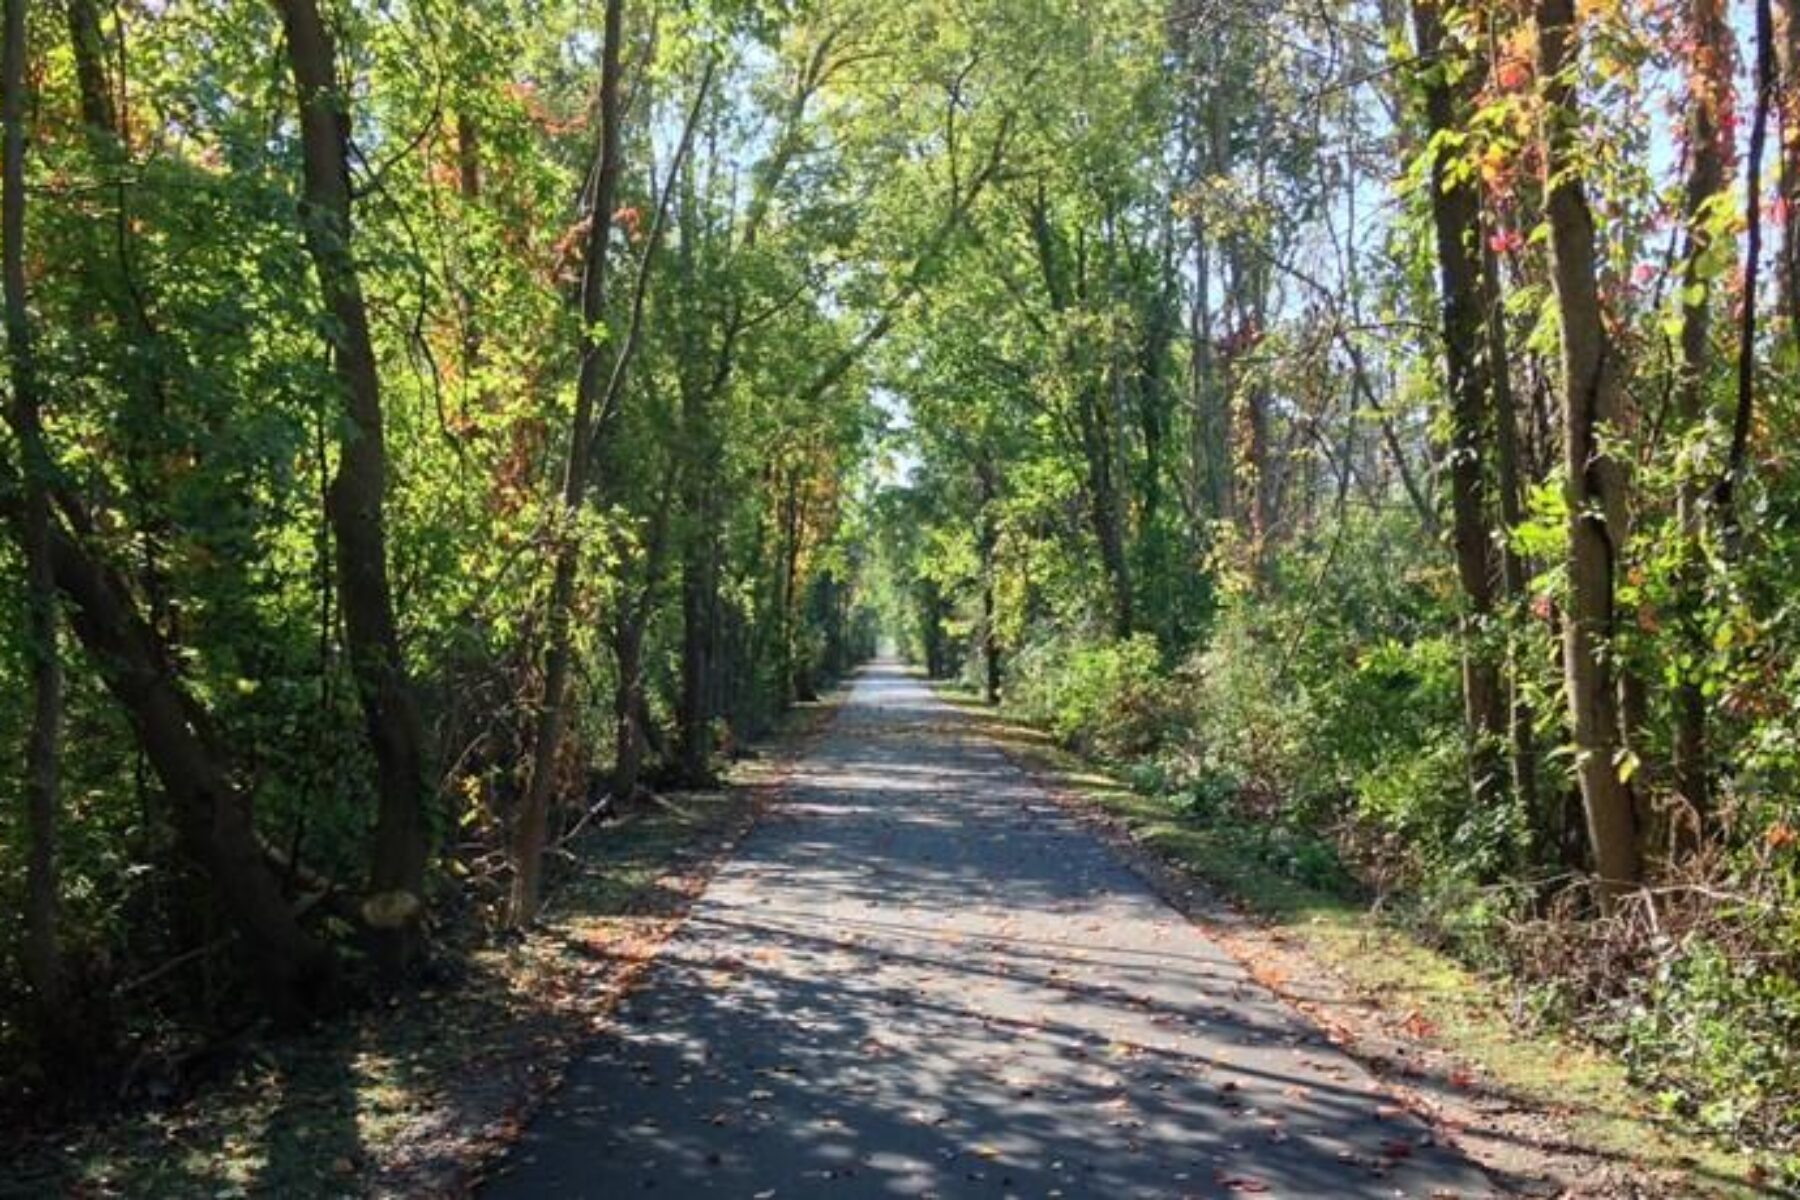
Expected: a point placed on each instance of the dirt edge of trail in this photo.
(1525, 1146)
(459, 1168)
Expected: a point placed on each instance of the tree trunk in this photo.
(1258, 479)
(702, 677)
(629, 703)
(97, 109)
(1515, 572)
(1210, 460)
(1788, 16)
(534, 812)
(43, 757)
(698, 638)
(697, 643)
(1737, 462)
(699, 520)
(932, 634)
(357, 496)
(212, 816)
(1456, 216)
(469, 187)
(1064, 285)
(1105, 512)
(1596, 479)
(143, 419)
(1709, 82)
(795, 684)
(990, 631)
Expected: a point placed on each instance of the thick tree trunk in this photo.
(97, 110)
(1596, 479)
(1456, 217)
(629, 704)
(212, 818)
(357, 496)
(534, 813)
(43, 755)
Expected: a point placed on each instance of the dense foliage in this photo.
(319, 314)
(431, 426)
(1371, 426)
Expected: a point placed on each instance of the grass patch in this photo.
(1588, 1093)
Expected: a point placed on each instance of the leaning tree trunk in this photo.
(213, 822)
(534, 814)
(43, 956)
(357, 496)
(1595, 488)
(1456, 217)
(295, 972)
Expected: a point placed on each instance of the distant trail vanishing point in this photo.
(919, 977)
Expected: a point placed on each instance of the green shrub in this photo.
(1318, 730)
(1107, 698)
(1719, 1032)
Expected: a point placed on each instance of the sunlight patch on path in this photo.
(920, 978)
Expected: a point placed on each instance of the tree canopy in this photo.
(431, 426)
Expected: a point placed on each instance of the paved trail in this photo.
(919, 978)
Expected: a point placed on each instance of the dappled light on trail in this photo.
(920, 977)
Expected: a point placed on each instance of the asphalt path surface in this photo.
(920, 977)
